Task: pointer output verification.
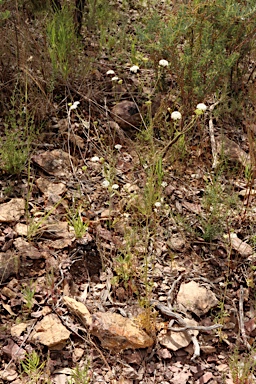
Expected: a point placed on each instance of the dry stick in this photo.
(252, 152)
(173, 141)
(185, 327)
(170, 297)
(241, 318)
(212, 137)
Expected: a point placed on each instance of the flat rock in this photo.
(232, 150)
(239, 245)
(118, 333)
(49, 188)
(78, 309)
(50, 332)
(56, 162)
(27, 249)
(21, 229)
(177, 340)
(195, 298)
(12, 211)
(9, 265)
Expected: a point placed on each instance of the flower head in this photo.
(118, 147)
(115, 186)
(74, 105)
(115, 78)
(105, 184)
(95, 159)
(176, 115)
(201, 107)
(158, 204)
(163, 63)
(134, 69)
(110, 72)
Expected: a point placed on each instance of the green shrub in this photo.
(207, 44)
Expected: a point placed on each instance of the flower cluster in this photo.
(200, 109)
(106, 184)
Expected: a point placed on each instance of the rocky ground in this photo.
(127, 253)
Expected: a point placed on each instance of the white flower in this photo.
(134, 69)
(110, 72)
(115, 186)
(94, 159)
(115, 78)
(118, 147)
(105, 184)
(158, 204)
(176, 115)
(163, 63)
(201, 107)
(164, 184)
(75, 105)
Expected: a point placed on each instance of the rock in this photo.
(56, 162)
(177, 340)
(12, 211)
(78, 309)
(49, 188)
(126, 114)
(50, 332)
(177, 242)
(18, 329)
(8, 375)
(114, 331)
(232, 150)
(9, 265)
(21, 229)
(118, 333)
(26, 249)
(195, 298)
(240, 246)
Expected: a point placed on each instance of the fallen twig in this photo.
(212, 137)
(185, 327)
(241, 318)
